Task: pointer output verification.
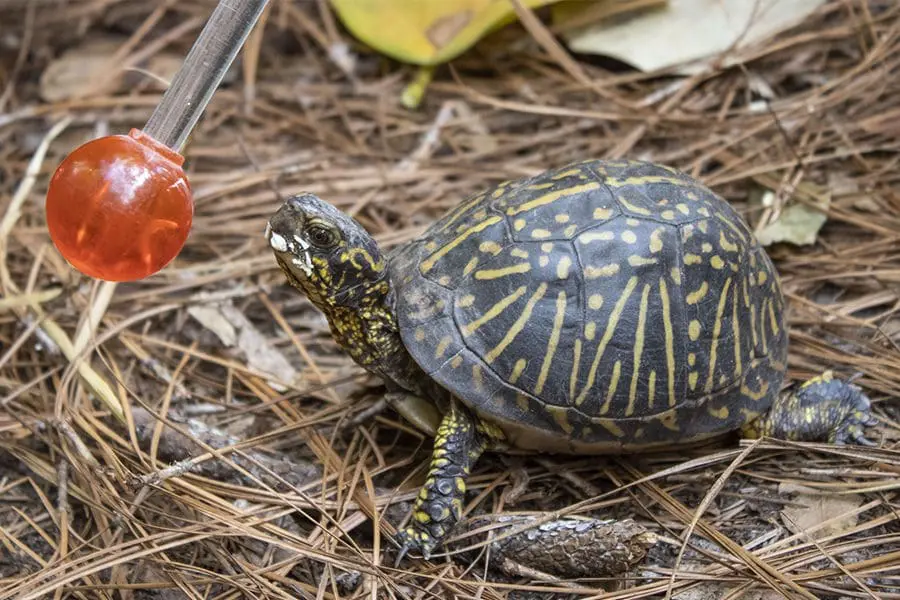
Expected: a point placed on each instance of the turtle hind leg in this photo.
(823, 409)
(459, 442)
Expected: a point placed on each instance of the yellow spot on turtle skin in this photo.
(716, 262)
(561, 218)
(493, 311)
(501, 188)
(429, 262)
(593, 236)
(761, 277)
(706, 247)
(519, 224)
(470, 266)
(656, 243)
(703, 211)
(703, 226)
(614, 316)
(561, 416)
(675, 274)
(692, 379)
(540, 186)
(717, 331)
(595, 301)
(692, 359)
(517, 370)
(639, 339)
(502, 271)
(490, 247)
(570, 230)
(466, 301)
(590, 330)
(562, 267)
(553, 196)
(540, 234)
(442, 346)
(444, 280)
(421, 515)
(670, 340)
(519, 253)
(547, 247)
(460, 484)
(640, 261)
(632, 222)
(604, 271)
(639, 210)
(629, 237)
(694, 330)
(558, 321)
(692, 259)
(518, 325)
(544, 260)
(420, 334)
(719, 413)
(576, 363)
(478, 378)
(683, 208)
(457, 361)
(668, 215)
(602, 213)
(611, 390)
(431, 246)
(698, 294)
(479, 214)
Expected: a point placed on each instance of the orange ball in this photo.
(119, 208)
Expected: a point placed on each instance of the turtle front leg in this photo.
(823, 409)
(459, 442)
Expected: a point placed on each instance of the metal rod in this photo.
(202, 71)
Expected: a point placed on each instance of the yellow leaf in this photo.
(426, 32)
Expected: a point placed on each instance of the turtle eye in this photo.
(321, 237)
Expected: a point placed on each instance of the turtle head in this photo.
(326, 254)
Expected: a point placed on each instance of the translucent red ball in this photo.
(119, 208)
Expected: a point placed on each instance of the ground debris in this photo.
(565, 548)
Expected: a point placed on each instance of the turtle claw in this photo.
(852, 429)
(408, 539)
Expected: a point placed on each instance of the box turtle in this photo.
(604, 306)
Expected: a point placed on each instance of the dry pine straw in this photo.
(811, 112)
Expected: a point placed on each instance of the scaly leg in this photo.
(459, 442)
(823, 409)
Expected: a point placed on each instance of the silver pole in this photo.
(202, 71)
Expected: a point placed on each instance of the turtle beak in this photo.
(288, 245)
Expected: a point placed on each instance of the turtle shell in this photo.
(597, 307)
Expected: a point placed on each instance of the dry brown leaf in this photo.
(817, 508)
(686, 31)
